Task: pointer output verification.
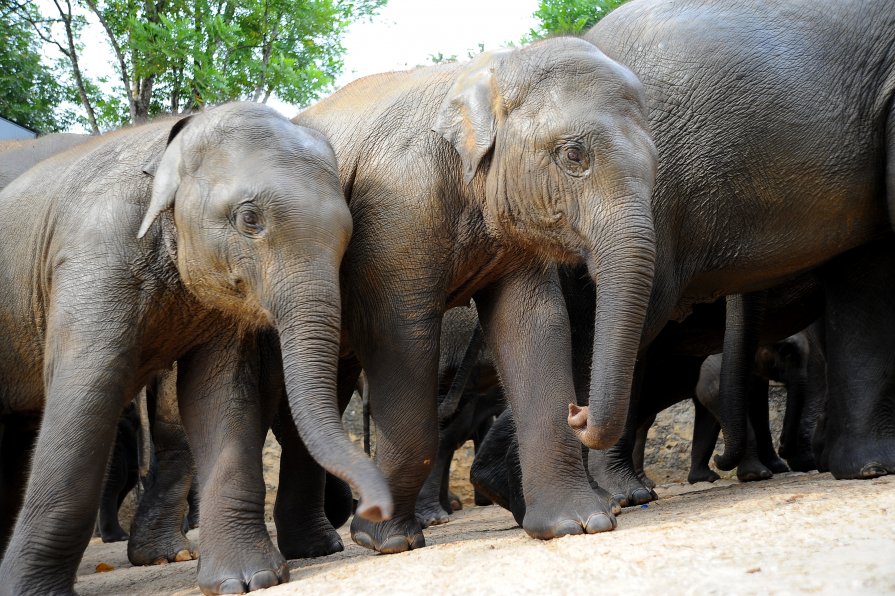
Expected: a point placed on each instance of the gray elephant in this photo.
(18, 156)
(226, 260)
(471, 180)
(775, 137)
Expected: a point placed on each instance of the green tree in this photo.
(29, 88)
(568, 17)
(175, 56)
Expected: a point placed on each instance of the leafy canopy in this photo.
(29, 89)
(568, 17)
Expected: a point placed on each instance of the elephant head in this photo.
(553, 138)
(260, 226)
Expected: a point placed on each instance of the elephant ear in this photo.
(467, 118)
(167, 176)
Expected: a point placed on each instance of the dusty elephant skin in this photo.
(469, 180)
(17, 156)
(774, 128)
(113, 274)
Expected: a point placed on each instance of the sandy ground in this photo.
(795, 533)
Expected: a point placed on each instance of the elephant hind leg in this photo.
(16, 442)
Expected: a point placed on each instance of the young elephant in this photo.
(112, 274)
(470, 180)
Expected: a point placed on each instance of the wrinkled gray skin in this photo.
(779, 114)
(113, 274)
(470, 180)
(17, 156)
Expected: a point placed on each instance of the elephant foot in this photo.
(646, 480)
(396, 535)
(146, 549)
(239, 569)
(615, 473)
(861, 458)
(702, 475)
(608, 500)
(480, 499)
(775, 465)
(801, 463)
(752, 470)
(431, 513)
(113, 534)
(307, 541)
(583, 513)
(455, 502)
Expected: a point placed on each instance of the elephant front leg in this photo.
(157, 535)
(859, 434)
(227, 421)
(400, 359)
(527, 328)
(85, 393)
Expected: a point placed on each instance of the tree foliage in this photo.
(29, 89)
(569, 17)
(175, 56)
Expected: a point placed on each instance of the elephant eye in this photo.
(248, 220)
(573, 158)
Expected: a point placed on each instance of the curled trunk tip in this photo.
(593, 436)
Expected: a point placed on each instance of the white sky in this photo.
(404, 34)
(407, 32)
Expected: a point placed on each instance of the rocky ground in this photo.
(795, 533)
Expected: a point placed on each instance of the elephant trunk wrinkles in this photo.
(309, 324)
(623, 274)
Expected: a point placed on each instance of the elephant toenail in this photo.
(600, 522)
(263, 579)
(568, 527)
(232, 586)
(364, 540)
(183, 555)
(873, 470)
(395, 544)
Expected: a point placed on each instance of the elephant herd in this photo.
(597, 198)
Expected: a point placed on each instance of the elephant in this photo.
(776, 153)
(472, 180)
(785, 361)
(213, 241)
(121, 477)
(18, 156)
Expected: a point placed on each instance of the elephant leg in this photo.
(17, 437)
(639, 453)
(110, 529)
(751, 468)
(433, 505)
(157, 535)
(761, 426)
(490, 473)
(705, 436)
(88, 381)
(191, 521)
(310, 503)
(226, 417)
(527, 327)
(478, 436)
(399, 353)
(860, 341)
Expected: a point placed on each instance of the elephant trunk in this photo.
(622, 265)
(744, 319)
(308, 319)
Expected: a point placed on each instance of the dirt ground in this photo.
(794, 533)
